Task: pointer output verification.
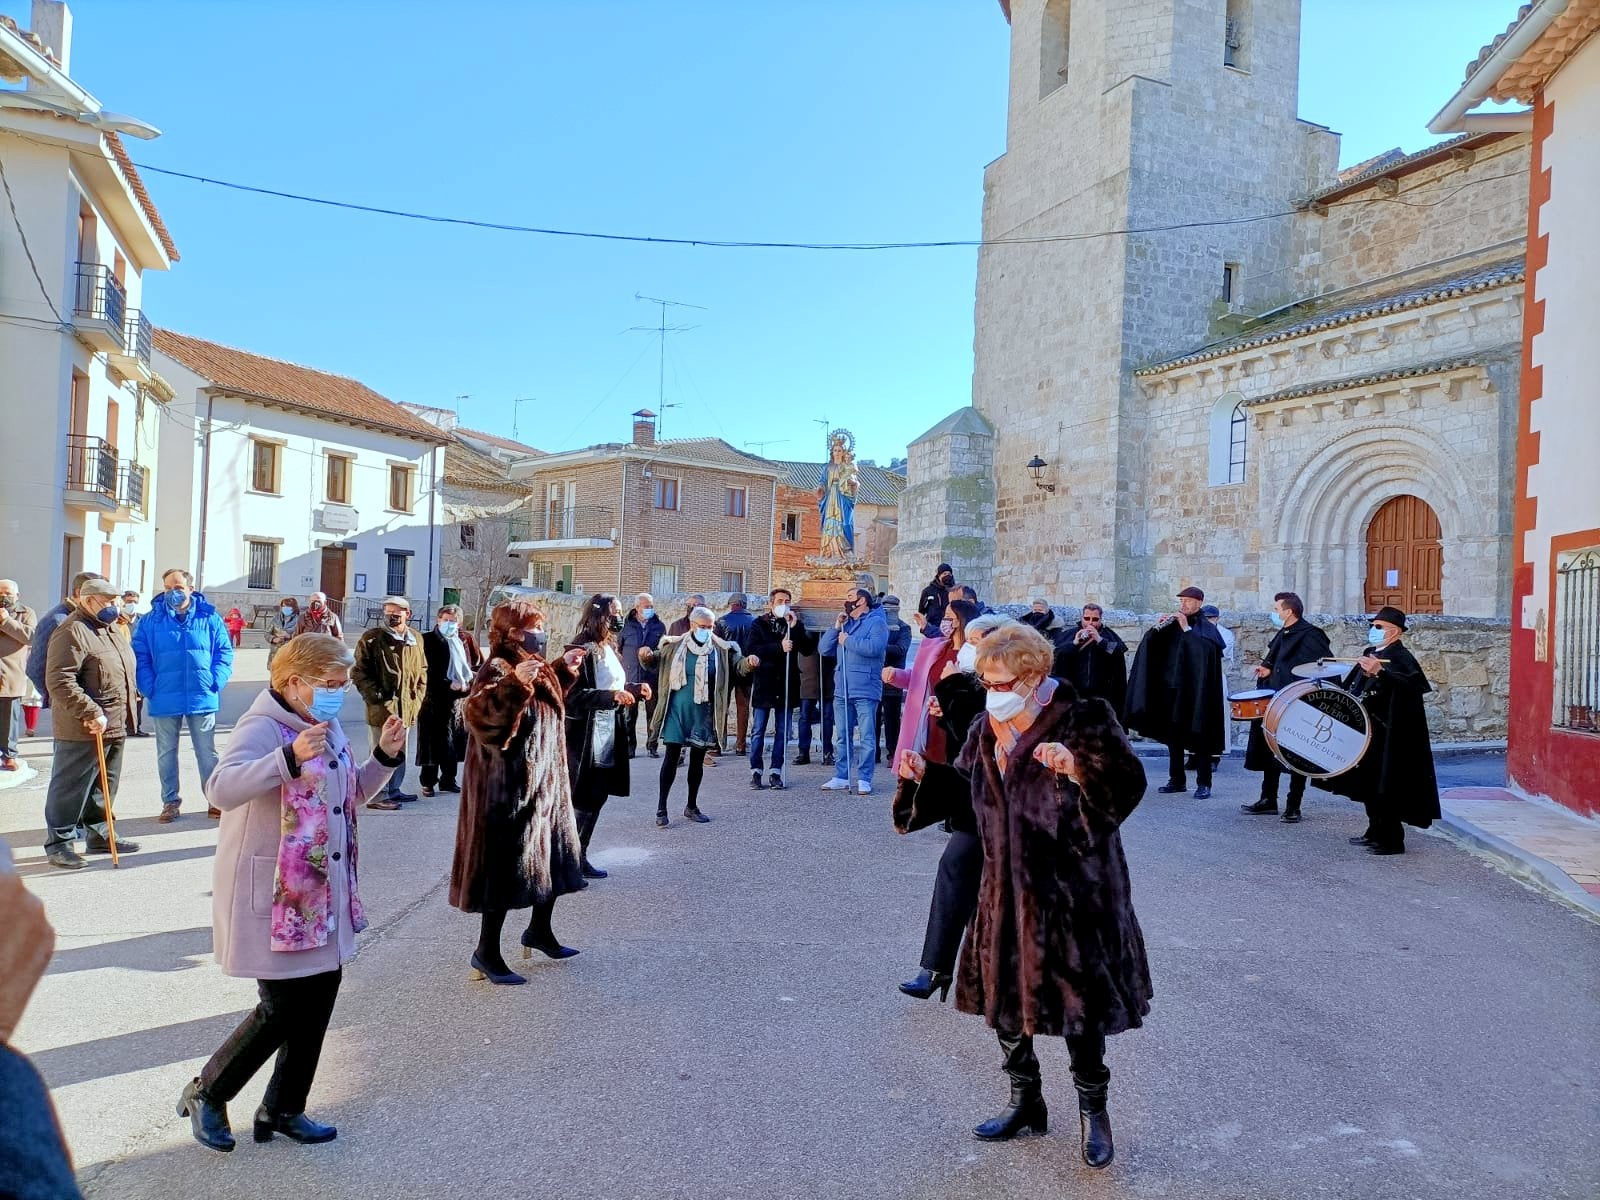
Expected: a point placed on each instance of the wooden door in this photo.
(1405, 558)
(334, 561)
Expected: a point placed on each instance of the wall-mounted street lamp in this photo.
(1036, 466)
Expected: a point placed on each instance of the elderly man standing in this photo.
(89, 673)
(185, 659)
(642, 631)
(47, 626)
(17, 623)
(391, 673)
(319, 618)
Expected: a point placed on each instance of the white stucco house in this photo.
(280, 480)
(79, 402)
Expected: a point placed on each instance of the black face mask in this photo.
(946, 580)
(534, 641)
(394, 620)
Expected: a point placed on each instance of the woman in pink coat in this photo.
(285, 908)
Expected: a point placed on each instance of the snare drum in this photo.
(1251, 705)
(1316, 729)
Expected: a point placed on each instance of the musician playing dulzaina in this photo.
(1395, 778)
(1297, 642)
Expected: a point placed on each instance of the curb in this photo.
(1519, 864)
(1145, 748)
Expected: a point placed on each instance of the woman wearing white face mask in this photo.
(1054, 947)
(285, 907)
(695, 683)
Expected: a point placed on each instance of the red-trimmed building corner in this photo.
(1549, 59)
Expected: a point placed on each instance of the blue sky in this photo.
(841, 120)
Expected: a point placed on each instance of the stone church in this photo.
(1206, 355)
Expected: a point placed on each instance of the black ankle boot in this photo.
(1094, 1124)
(1026, 1111)
(208, 1118)
(297, 1127)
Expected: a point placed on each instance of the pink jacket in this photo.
(919, 691)
(248, 787)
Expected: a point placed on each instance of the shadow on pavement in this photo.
(145, 952)
(138, 1051)
(143, 858)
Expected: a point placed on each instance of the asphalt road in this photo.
(1325, 1023)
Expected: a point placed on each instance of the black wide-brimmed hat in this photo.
(1390, 614)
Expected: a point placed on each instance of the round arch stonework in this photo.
(1320, 532)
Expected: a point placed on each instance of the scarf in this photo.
(460, 674)
(679, 674)
(302, 896)
(1008, 733)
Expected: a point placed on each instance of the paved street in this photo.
(1326, 1024)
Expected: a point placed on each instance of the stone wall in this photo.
(947, 511)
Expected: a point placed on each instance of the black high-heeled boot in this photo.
(297, 1127)
(1094, 1123)
(927, 983)
(1027, 1107)
(208, 1119)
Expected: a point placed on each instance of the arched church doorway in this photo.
(1405, 557)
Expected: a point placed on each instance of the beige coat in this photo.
(247, 787)
(90, 672)
(16, 631)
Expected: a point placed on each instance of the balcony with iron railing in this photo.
(91, 472)
(100, 308)
(132, 481)
(563, 529)
(132, 359)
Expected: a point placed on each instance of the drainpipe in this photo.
(622, 527)
(433, 529)
(205, 491)
(772, 532)
(1530, 29)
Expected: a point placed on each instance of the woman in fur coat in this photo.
(696, 675)
(516, 837)
(597, 719)
(1054, 947)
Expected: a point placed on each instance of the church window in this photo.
(1054, 40)
(1236, 36)
(1230, 282)
(1230, 425)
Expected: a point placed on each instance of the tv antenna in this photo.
(661, 329)
(761, 447)
(516, 409)
(459, 399)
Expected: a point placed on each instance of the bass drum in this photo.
(1316, 729)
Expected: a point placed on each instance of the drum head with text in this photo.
(1316, 729)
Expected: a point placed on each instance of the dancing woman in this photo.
(517, 840)
(695, 679)
(1054, 947)
(597, 720)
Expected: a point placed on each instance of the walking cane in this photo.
(780, 736)
(105, 793)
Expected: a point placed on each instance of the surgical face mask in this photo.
(326, 702)
(1005, 706)
(1375, 636)
(967, 657)
(1276, 618)
(947, 627)
(448, 628)
(286, 611)
(647, 613)
(780, 611)
(394, 619)
(702, 635)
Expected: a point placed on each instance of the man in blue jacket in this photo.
(859, 638)
(185, 657)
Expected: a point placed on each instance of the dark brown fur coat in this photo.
(1054, 947)
(516, 837)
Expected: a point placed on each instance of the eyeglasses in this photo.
(1005, 685)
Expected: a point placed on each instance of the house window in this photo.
(791, 527)
(400, 496)
(1236, 36)
(1230, 282)
(1229, 432)
(1055, 38)
(666, 493)
(264, 460)
(395, 580)
(1575, 641)
(541, 575)
(733, 581)
(664, 580)
(469, 537)
(338, 479)
(262, 558)
(737, 498)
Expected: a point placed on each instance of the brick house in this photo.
(669, 517)
(797, 528)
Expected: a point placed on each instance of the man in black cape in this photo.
(1175, 692)
(1093, 659)
(1395, 778)
(1297, 641)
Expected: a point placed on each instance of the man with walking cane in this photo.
(859, 637)
(776, 642)
(90, 674)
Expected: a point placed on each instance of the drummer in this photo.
(1297, 642)
(1395, 778)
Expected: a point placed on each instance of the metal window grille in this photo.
(469, 537)
(396, 576)
(263, 565)
(541, 575)
(1237, 428)
(733, 581)
(1577, 643)
(736, 502)
(666, 493)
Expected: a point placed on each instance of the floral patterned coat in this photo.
(267, 893)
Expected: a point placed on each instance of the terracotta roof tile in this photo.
(493, 439)
(304, 388)
(136, 185)
(465, 467)
(1526, 77)
(1393, 164)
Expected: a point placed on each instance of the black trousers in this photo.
(1175, 775)
(955, 897)
(74, 797)
(1270, 775)
(1088, 1054)
(290, 1021)
(669, 772)
(1383, 827)
(889, 710)
(633, 728)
